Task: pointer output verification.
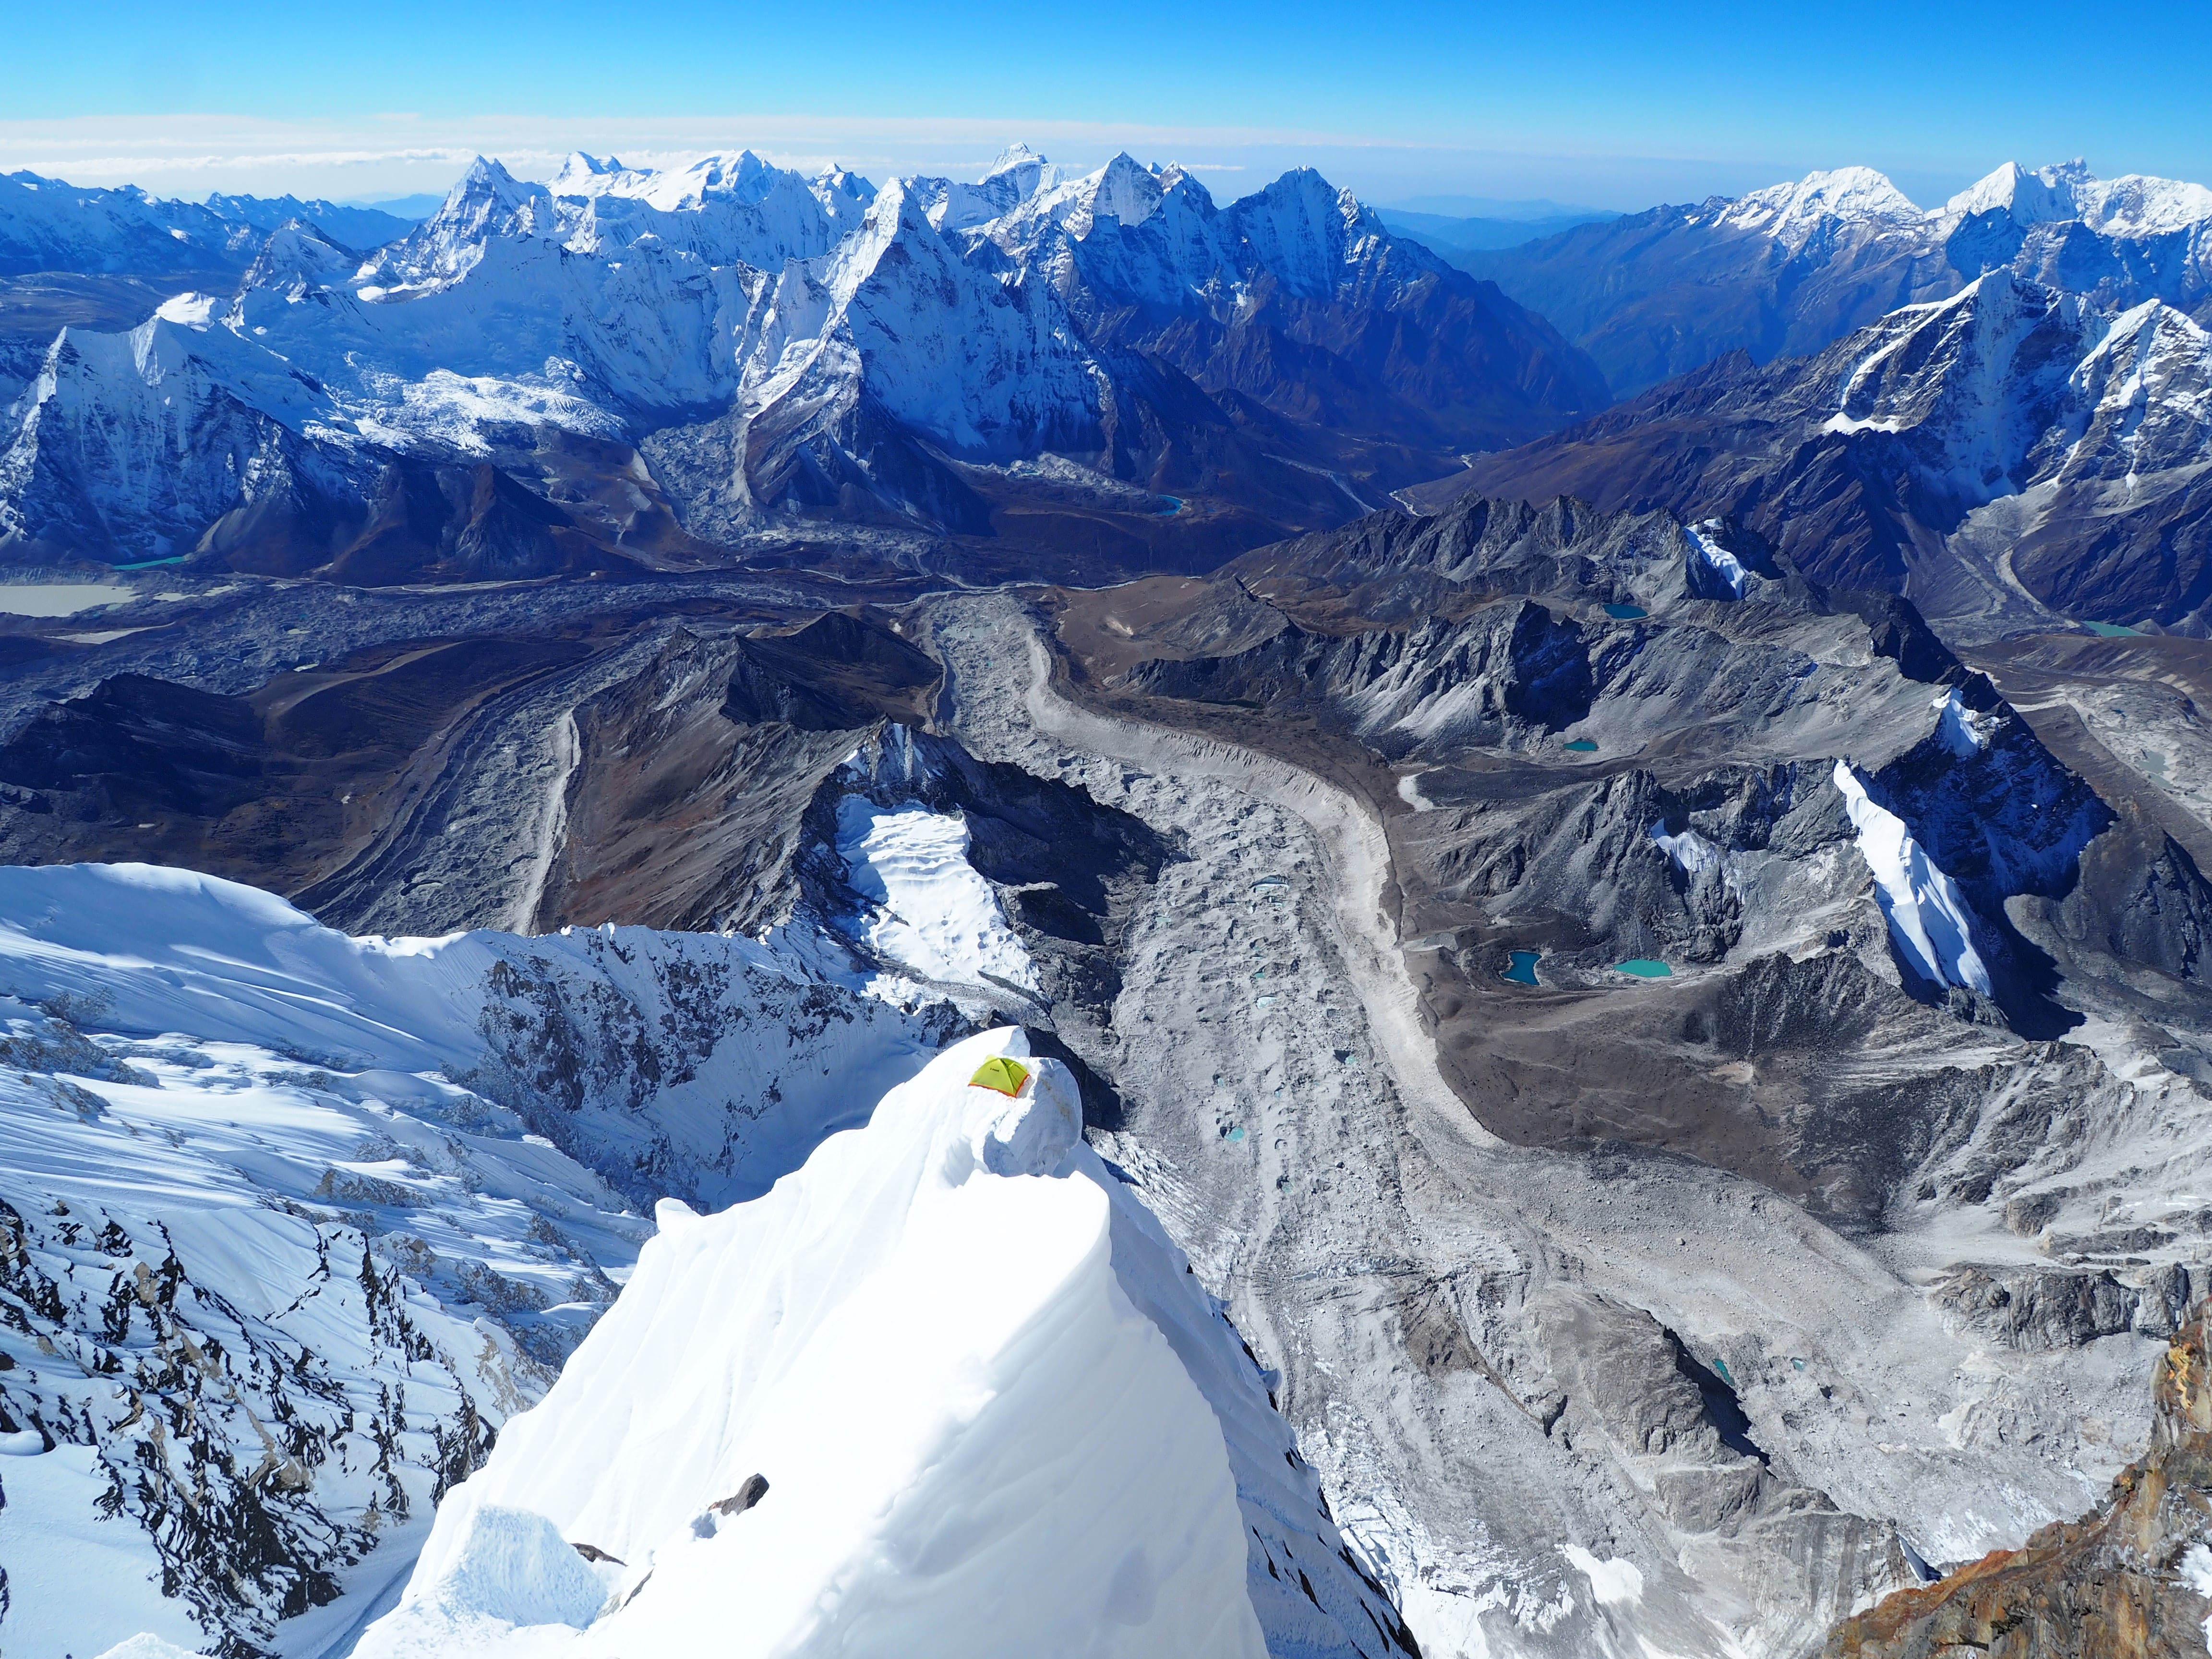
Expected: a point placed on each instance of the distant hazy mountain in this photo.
(49, 226)
(418, 206)
(1449, 235)
(628, 364)
(1784, 270)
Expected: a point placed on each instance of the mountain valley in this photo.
(1022, 914)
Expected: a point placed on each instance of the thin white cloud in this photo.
(193, 154)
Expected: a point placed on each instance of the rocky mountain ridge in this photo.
(2015, 455)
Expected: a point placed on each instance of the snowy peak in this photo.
(584, 175)
(953, 1297)
(2136, 206)
(2130, 208)
(844, 196)
(2030, 198)
(1026, 169)
(1793, 213)
(487, 204)
(296, 257)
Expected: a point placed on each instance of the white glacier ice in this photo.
(1927, 916)
(952, 1354)
(933, 913)
(1690, 851)
(1714, 570)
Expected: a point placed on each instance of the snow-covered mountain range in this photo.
(740, 346)
(2015, 451)
(46, 225)
(1784, 270)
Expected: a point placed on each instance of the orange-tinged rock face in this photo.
(2108, 1586)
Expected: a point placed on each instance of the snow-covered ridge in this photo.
(1929, 917)
(2009, 383)
(1790, 212)
(949, 1388)
(291, 1223)
(934, 1343)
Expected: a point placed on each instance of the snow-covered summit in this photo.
(2029, 197)
(948, 1390)
(486, 204)
(1792, 212)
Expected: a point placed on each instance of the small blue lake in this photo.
(2103, 630)
(1644, 968)
(1522, 969)
(1626, 612)
(1169, 506)
(1581, 746)
(149, 564)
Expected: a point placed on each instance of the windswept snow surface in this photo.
(933, 913)
(1927, 916)
(556, 1021)
(286, 1237)
(953, 1354)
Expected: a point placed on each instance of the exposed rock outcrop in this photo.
(2133, 1578)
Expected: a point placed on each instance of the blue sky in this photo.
(1616, 104)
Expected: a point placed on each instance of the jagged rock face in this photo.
(1914, 447)
(1510, 669)
(2133, 1578)
(1784, 270)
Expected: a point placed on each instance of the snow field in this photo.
(273, 1276)
(934, 914)
(1927, 916)
(929, 1341)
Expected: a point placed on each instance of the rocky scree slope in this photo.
(2132, 1577)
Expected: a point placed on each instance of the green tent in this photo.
(999, 1072)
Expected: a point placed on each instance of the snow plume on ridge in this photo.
(1927, 916)
(929, 1343)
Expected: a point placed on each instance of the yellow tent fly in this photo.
(999, 1073)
